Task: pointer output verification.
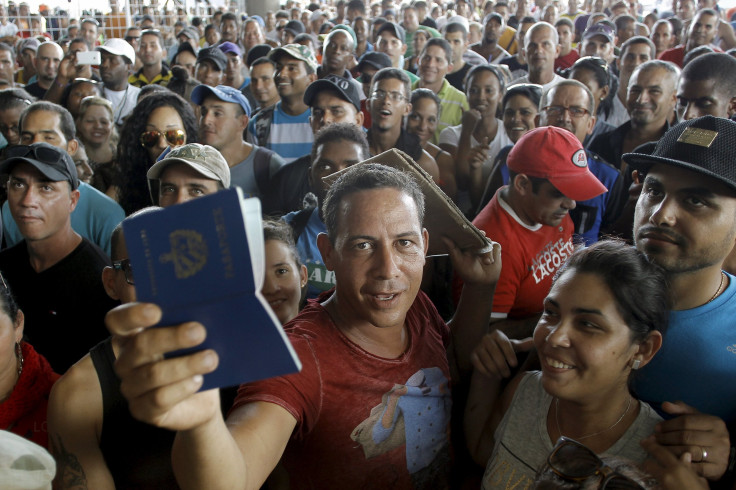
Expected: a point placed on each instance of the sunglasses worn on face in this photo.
(573, 461)
(175, 137)
(124, 265)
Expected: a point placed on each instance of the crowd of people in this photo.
(588, 345)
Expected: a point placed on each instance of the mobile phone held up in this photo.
(88, 58)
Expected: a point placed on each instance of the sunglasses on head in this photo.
(573, 461)
(43, 154)
(175, 137)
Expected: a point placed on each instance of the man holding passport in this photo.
(372, 401)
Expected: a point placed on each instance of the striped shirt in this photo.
(290, 137)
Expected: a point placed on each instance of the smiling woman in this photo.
(603, 319)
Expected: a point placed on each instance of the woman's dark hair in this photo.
(424, 93)
(489, 68)
(276, 229)
(133, 159)
(599, 68)
(78, 81)
(9, 306)
(639, 287)
(150, 89)
(531, 91)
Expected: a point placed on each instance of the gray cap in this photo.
(204, 159)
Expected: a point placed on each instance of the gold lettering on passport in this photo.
(188, 253)
(698, 136)
(149, 263)
(226, 255)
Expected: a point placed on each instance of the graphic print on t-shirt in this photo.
(417, 415)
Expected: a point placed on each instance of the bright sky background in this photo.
(75, 7)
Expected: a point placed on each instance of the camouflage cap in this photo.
(298, 51)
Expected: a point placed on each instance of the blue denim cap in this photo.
(222, 92)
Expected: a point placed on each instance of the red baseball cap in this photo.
(556, 154)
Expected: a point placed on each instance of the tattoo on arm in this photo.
(69, 472)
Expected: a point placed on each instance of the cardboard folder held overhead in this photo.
(441, 216)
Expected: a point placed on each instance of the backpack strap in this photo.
(261, 168)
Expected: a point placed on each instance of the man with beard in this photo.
(117, 57)
(684, 222)
(151, 53)
(493, 26)
(229, 28)
(47, 61)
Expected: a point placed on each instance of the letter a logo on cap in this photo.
(580, 159)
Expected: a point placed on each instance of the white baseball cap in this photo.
(119, 47)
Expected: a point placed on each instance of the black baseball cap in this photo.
(395, 28)
(55, 164)
(295, 27)
(346, 88)
(703, 145)
(257, 51)
(215, 55)
(375, 59)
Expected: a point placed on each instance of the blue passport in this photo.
(204, 261)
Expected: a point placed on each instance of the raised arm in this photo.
(75, 425)
(480, 273)
(207, 453)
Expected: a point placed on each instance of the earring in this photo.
(19, 356)
(635, 365)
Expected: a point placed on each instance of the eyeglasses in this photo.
(558, 111)
(175, 137)
(573, 461)
(45, 154)
(132, 38)
(393, 96)
(124, 265)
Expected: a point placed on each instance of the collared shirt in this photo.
(138, 79)
(453, 104)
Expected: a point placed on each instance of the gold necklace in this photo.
(718, 291)
(557, 420)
